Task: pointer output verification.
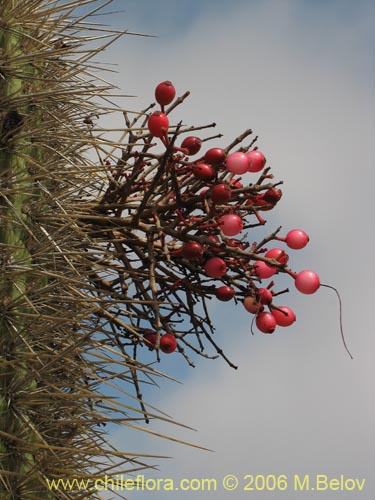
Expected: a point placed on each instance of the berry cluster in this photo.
(183, 218)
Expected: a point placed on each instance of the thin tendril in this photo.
(341, 327)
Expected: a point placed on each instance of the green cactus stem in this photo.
(16, 271)
(52, 363)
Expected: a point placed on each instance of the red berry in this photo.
(277, 254)
(263, 270)
(252, 305)
(215, 267)
(165, 93)
(256, 159)
(215, 156)
(259, 202)
(231, 224)
(284, 319)
(220, 194)
(296, 239)
(203, 172)
(307, 282)
(192, 144)
(265, 322)
(150, 338)
(272, 195)
(215, 239)
(256, 200)
(192, 250)
(265, 295)
(236, 184)
(158, 124)
(168, 343)
(237, 163)
(225, 293)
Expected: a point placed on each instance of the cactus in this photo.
(108, 248)
(53, 355)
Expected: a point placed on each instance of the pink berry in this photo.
(231, 224)
(221, 194)
(252, 305)
(265, 295)
(158, 124)
(307, 282)
(265, 322)
(263, 270)
(225, 293)
(165, 93)
(215, 267)
(296, 239)
(256, 159)
(277, 254)
(192, 144)
(168, 343)
(237, 163)
(192, 250)
(215, 156)
(284, 319)
(203, 172)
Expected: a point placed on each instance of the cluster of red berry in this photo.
(210, 207)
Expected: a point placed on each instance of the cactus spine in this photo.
(51, 410)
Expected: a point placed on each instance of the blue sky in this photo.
(301, 75)
(168, 17)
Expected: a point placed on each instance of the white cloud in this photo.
(297, 404)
